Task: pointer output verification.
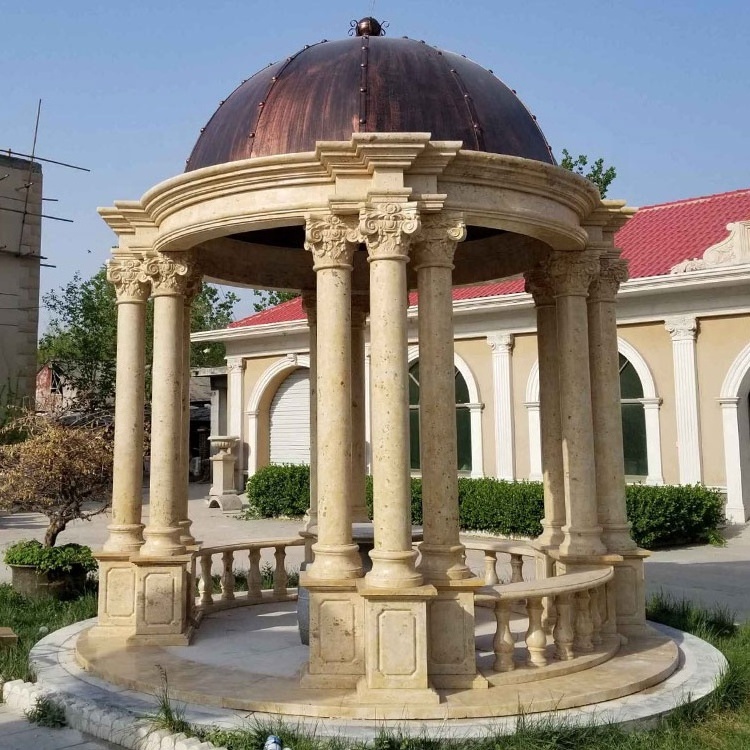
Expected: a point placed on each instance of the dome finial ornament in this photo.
(367, 26)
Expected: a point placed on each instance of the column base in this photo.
(117, 594)
(442, 564)
(162, 542)
(617, 539)
(124, 537)
(551, 536)
(582, 541)
(334, 562)
(393, 570)
(186, 536)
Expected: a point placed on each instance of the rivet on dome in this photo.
(514, 91)
(261, 104)
(222, 102)
(362, 120)
(202, 129)
(362, 89)
(251, 135)
(274, 78)
(307, 46)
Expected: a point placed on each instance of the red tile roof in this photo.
(654, 240)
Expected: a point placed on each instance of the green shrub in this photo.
(279, 490)
(673, 514)
(500, 507)
(416, 499)
(51, 560)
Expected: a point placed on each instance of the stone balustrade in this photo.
(583, 629)
(516, 550)
(229, 559)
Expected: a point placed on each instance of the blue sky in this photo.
(659, 89)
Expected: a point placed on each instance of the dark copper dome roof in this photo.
(365, 84)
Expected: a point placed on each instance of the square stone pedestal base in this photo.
(396, 635)
(630, 593)
(337, 634)
(144, 600)
(451, 655)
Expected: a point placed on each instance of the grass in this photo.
(721, 721)
(31, 620)
(47, 713)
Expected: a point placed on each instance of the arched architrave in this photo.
(651, 403)
(263, 391)
(475, 407)
(736, 430)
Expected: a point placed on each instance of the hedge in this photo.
(660, 516)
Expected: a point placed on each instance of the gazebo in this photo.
(355, 171)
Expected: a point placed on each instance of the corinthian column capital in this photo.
(129, 278)
(612, 273)
(332, 240)
(171, 274)
(538, 283)
(682, 327)
(436, 242)
(388, 228)
(572, 273)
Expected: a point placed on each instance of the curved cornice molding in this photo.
(504, 192)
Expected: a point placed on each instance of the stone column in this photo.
(502, 384)
(132, 287)
(387, 228)
(605, 401)
(442, 553)
(572, 274)
(309, 305)
(194, 285)
(360, 305)
(684, 329)
(332, 241)
(235, 413)
(539, 285)
(170, 276)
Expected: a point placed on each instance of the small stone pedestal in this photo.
(396, 645)
(223, 492)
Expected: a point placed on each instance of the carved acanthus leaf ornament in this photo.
(572, 273)
(435, 245)
(170, 274)
(387, 228)
(129, 277)
(612, 273)
(331, 240)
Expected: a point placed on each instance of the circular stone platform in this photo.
(250, 659)
(256, 644)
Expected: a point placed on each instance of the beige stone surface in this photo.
(267, 678)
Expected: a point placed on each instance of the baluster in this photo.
(596, 616)
(503, 644)
(549, 614)
(516, 567)
(279, 574)
(536, 638)
(563, 632)
(253, 575)
(609, 626)
(206, 584)
(490, 568)
(582, 641)
(227, 576)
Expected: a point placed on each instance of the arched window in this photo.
(463, 419)
(635, 446)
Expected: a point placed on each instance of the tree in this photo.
(268, 299)
(82, 336)
(597, 174)
(63, 472)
